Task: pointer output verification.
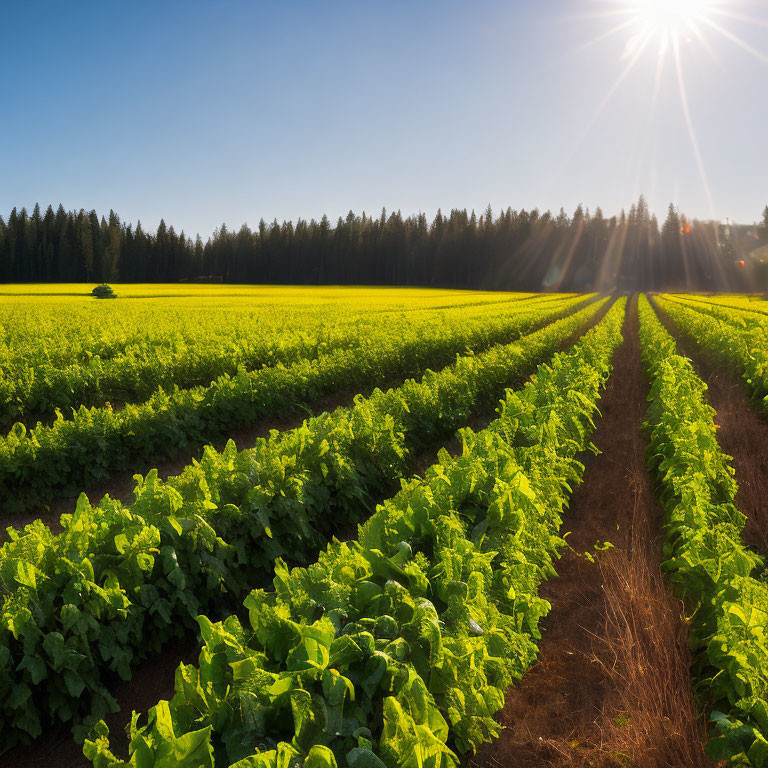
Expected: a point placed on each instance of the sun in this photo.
(663, 33)
(669, 16)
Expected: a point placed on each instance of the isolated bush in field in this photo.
(104, 291)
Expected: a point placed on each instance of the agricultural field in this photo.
(267, 527)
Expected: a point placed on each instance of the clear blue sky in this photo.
(203, 112)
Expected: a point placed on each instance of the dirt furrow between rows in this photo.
(611, 686)
(742, 433)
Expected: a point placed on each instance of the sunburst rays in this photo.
(668, 24)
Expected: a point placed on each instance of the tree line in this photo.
(511, 250)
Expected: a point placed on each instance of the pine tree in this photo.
(111, 264)
(671, 249)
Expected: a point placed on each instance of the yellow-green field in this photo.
(61, 348)
(63, 325)
(384, 297)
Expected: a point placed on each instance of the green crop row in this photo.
(720, 580)
(31, 388)
(727, 337)
(62, 328)
(750, 306)
(733, 315)
(51, 330)
(37, 465)
(83, 606)
(394, 650)
(38, 390)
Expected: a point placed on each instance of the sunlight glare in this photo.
(671, 27)
(669, 16)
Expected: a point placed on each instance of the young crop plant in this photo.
(721, 581)
(394, 650)
(731, 338)
(139, 348)
(747, 306)
(131, 578)
(37, 465)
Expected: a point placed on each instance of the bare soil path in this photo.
(611, 686)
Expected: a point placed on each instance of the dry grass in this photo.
(650, 717)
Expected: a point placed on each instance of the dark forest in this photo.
(511, 250)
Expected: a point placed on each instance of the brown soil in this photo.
(151, 682)
(742, 434)
(611, 686)
(49, 750)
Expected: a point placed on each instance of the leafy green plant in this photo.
(137, 576)
(721, 581)
(395, 649)
(104, 291)
(732, 338)
(38, 464)
(129, 362)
